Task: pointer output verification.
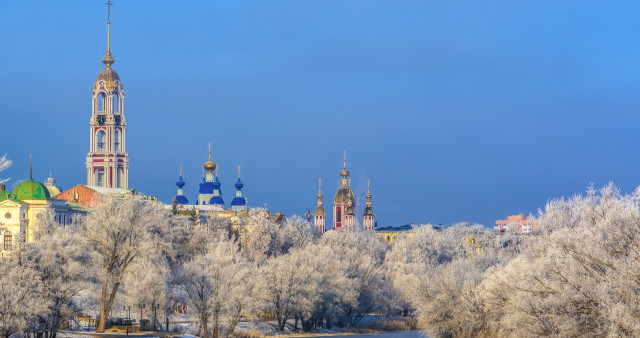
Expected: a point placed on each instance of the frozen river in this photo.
(399, 334)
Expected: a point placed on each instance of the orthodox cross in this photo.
(109, 4)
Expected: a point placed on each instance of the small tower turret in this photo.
(350, 214)
(239, 203)
(367, 218)
(180, 198)
(319, 216)
(206, 187)
(216, 198)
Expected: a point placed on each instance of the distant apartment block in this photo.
(518, 224)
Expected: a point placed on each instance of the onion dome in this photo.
(344, 172)
(238, 201)
(216, 200)
(350, 203)
(31, 190)
(181, 199)
(368, 210)
(180, 183)
(320, 208)
(209, 166)
(342, 195)
(216, 183)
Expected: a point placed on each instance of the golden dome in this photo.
(53, 191)
(209, 166)
(109, 76)
(343, 195)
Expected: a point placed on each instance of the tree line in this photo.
(579, 276)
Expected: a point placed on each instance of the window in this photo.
(117, 139)
(119, 183)
(8, 240)
(102, 99)
(101, 136)
(99, 177)
(116, 100)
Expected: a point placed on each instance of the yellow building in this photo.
(25, 208)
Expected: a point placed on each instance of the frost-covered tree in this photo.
(259, 238)
(287, 284)
(214, 283)
(5, 163)
(360, 254)
(120, 231)
(437, 272)
(60, 264)
(578, 279)
(20, 296)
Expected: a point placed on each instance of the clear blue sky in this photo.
(456, 110)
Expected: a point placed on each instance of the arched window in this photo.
(116, 101)
(117, 139)
(120, 184)
(99, 177)
(8, 240)
(102, 99)
(100, 138)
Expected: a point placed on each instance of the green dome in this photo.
(30, 190)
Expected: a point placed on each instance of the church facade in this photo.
(344, 204)
(210, 190)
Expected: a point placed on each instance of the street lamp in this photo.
(141, 306)
(155, 308)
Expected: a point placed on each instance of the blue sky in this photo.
(456, 110)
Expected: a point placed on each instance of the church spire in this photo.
(367, 218)
(108, 59)
(320, 207)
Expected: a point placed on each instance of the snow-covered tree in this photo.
(214, 283)
(288, 283)
(580, 278)
(5, 163)
(120, 231)
(60, 264)
(259, 238)
(437, 272)
(20, 296)
(360, 254)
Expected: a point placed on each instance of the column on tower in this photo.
(319, 216)
(367, 218)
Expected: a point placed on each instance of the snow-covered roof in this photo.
(103, 190)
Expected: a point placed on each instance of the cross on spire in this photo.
(108, 59)
(109, 4)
